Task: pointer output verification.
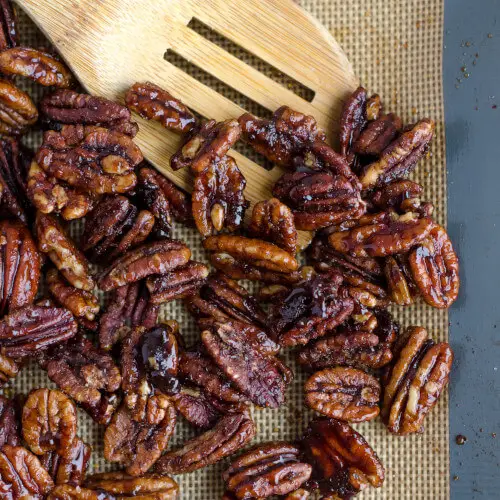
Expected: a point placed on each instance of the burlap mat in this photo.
(395, 48)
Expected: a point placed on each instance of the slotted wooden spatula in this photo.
(111, 44)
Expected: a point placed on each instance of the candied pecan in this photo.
(177, 284)
(93, 159)
(205, 145)
(343, 393)
(31, 329)
(138, 445)
(70, 492)
(154, 103)
(9, 427)
(158, 257)
(434, 268)
(68, 106)
(286, 135)
(268, 469)
(22, 477)
(352, 120)
(377, 135)
(343, 462)
(415, 381)
(20, 265)
(85, 373)
(8, 369)
(129, 307)
(401, 156)
(384, 238)
(310, 309)
(38, 66)
(373, 107)
(218, 199)
(17, 110)
(230, 434)
(399, 281)
(8, 28)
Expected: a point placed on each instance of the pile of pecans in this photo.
(376, 244)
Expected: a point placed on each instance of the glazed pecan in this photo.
(154, 103)
(85, 373)
(343, 462)
(20, 265)
(92, 159)
(22, 477)
(70, 492)
(352, 121)
(8, 369)
(206, 145)
(310, 309)
(138, 445)
(218, 199)
(62, 251)
(268, 469)
(283, 137)
(32, 329)
(416, 379)
(69, 107)
(8, 25)
(401, 156)
(9, 427)
(38, 66)
(230, 434)
(249, 258)
(17, 110)
(399, 280)
(434, 268)
(377, 135)
(343, 393)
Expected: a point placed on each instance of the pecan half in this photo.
(286, 135)
(352, 120)
(138, 445)
(20, 265)
(343, 393)
(9, 427)
(8, 25)
(85, 373)
(8, 369)
(230, 434)
(17, 110)
(32, 329)
(218, 199)
(22, 477)
(38, 66)
(343, 462)
(154, 103)
(206, 145)
(377, 135)
(399, 280)
(268, 469)
(151, 258)
(415, 381)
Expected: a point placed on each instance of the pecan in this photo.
(434, 268)
(69, 492)
(401, 156)
(17, 110)
(377, 135)
(129, 307)
(70, 107)
(22, 477)
(8, 369)
(92, 159)
(218, 199)
(319, 199)
(31, 329)
(416, 379)
(286, 135)
(149, 362)
(273, 221)
(20, 265)
(151, 258)
(397, 235)
(154, 103)
(86, 374)
(268, 469)
(177, 284)
(250, 258)
(352, 120)
(8, 25)
(206, 145)
(343, 393)
(230, 434)
(373, 107)
(9, 427)
(343, 462)
(38, 66)
(399, 281)
(310, 309)
(138, 445)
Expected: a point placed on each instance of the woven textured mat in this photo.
(395, 48)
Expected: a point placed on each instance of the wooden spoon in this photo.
(111, 44)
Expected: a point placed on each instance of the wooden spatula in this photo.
(111, 44)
